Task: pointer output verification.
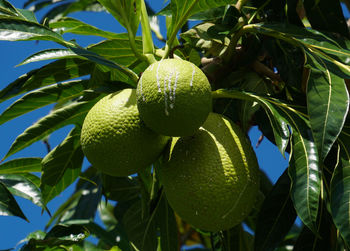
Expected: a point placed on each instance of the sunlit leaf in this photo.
(21, 165)
(20, 185)
(61, 166)
(328, 104)
(52, 73)
(8, 204)
(70, 114)
(15, 29)
(71, 25)
(304, 172)
(62, 92)
(125, 11)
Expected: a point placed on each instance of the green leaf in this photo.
(87, 203)
(321, 18)
(70, 114)
(305, 173)
(183, 9)
(93, 57)
(61, 166)
(117, 50)
(71, 25)
(330, 50)
(52, 73)
(62, 93)
(125, 11)
(328, 104)
(276, 216)
(64, 235)
(49, 54)
(120, 188)
(140, 230)
(277, 118)
(8, 204)
(340, 192)
(21, 165)
(167, 226)
(15, 29)
(20, 185)
(69, 204)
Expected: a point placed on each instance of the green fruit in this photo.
(115, 140)
(174, 97)
(211, 178)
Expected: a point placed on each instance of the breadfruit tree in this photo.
(187, 172)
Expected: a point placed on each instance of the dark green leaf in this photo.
(21, 165)
(62, 92)
(325, 238)
(304, 173)
(20, 185)
(70, 114)
(96, 58)
(8, 204)
(276, 216)
(69, 204)
(331, 50)
(65, 235)
(120, 188)
(167, 226)
(277, 118)
(326, 16)
(61, 166)
(340, 192)
(140, 230)
(88, 202)
(328, 104)
(52, 73)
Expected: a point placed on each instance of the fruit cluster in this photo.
(209, 171)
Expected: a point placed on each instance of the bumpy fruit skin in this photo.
(115, 140)
(211, 179)
(174, 97)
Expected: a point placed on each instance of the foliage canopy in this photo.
(280, 65)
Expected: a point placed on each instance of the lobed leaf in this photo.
(61, 166)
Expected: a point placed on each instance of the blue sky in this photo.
(14, 229)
